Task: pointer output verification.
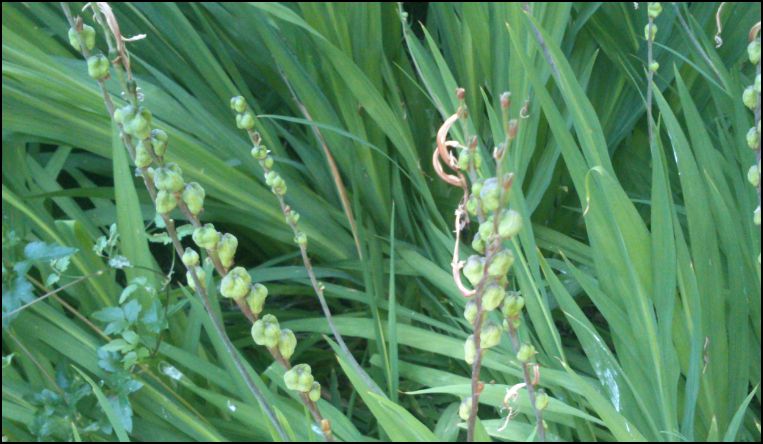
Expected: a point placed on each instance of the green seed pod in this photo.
(512, 305)
(287, 343)
(490, 336)
(142, 156)
(492, 296)
(501, 263)
(235, 284)
(753, 138)
(490, 194)
(270, 177)
(477, 160)
(510, 224)
(279, 186)
(470, 351)
(486, 229)
(292, 217)
(465, 409)
(206, 237)
(256, 298)
(88, 37)
(753, 51)
(299, 378)
(267, 162)
(259, 152)
(477, 187)
(193, 196)
(750, 98)
(650, 31)
(753, 175)
(190, 257)
(98, 66)
(471, 205)
(159, 141)
(463, 159)
(238, 104)
(756, 216)
(200, 274)
(654, 66)
(245, 120)
(474, 269)
(470, 312)
(526, 353)
(226, 249)
(478, 244)
(166, 179)
(541, 401)
(315, 392)
(300, 239)
(124, 113)
(139, 124)
(165, 202)
(654, 10)
(266, 331)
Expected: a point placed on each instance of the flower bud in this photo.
(541, 401)
(190, 257)
(165, 202)
(142, 156)
(526, 353)
(235, 284)
(465, 409)
(478, 244)
(501, 263)
(510, 224)
(266, 331)
(512, 305)
(300, 239)
(490, 336)
(256, 298)
(287, 342)
(486, 229)
(168, 180)
(226, 249)
(88, 37)
(299, 378)
(654, 66)
(753, 138)
(238, 104)
(654, 10)
(470, 351)
(193, 196)
(259, 152)
(245, 120)
(159, 141)
(492, 296)
(490, 194)
(650, 31)
(138, 124)
(750, 98)
(98, 66)
(315, 392)
(206, 237)
(753, 175)
(470, 312)
(474, 269)
(753, 51)
(200, 274)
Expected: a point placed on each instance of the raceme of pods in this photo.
(751, 100)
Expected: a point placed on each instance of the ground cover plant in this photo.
(384, 221)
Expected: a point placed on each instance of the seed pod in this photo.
(299, 378)
(98, 66)
(478, 244)
(654, 9)
(753, 138)
(190, 257)
(193, 196)
(756, 85)
(200, 274)
(238, 104)
(267, 162)
(470, 351)
(142, 156)
(270, 178)
(168, 180)
(138, 124)
(477, 187)
(750, 98)
(753, 51)
(226, 249)
(654, 66)
(510, 224)
(753, 175)
(292, 217)
(245, 120)
(259, 152)
(474, 269)
(470, 312)
(650, 31)
(486, 229)
(490, 194)
(279, 186)
(206, 237)
(756, 216)
(287, 343)
(88, 37)
(492, 296)
(159, 141)
(300, 239)
(256, 298)
(315, 392)
(472, 204)
(266, 331)
(501, 263)
(124, 113)
(541, 401)
(235, 284)
(465, 409)
(526, 353)
(463, 159)
(512, 305)
(490, 336)
(165, 202)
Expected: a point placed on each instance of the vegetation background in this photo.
(638, 267)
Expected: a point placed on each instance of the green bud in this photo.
(226, 249)
(753, 51)
(486, 229)
(266, 331)
(463, 159)
(753, 175)
(510, 224)
(650, 31)
(756, 216)
(200, 274)
(167, 179)
(470, 351)
(299, 378)
(98, 66)
(256, 298)
(654, 66)
(193, 196)
(138, 124)
(472, 204)
(470, 312)
(259, 152)
(512, 305)
(490, 336)
(501, 263)
(190, 257)
(478, 244)
(235, 284)
(142, 156)
(300, 239)
(245, 120)
(88, 37)
(315, 392)
(267, 162)
(654, 10)
(541, 401)
(165, 202)
(124, 113)
(526, 353)
(287, 343)
(474, 269)
(238, 104)
(206, 237)
(753, 138)
(477, 187)
(492, 296)
(465, 409)
(750, 98)
(159, 141)
(490, 194)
